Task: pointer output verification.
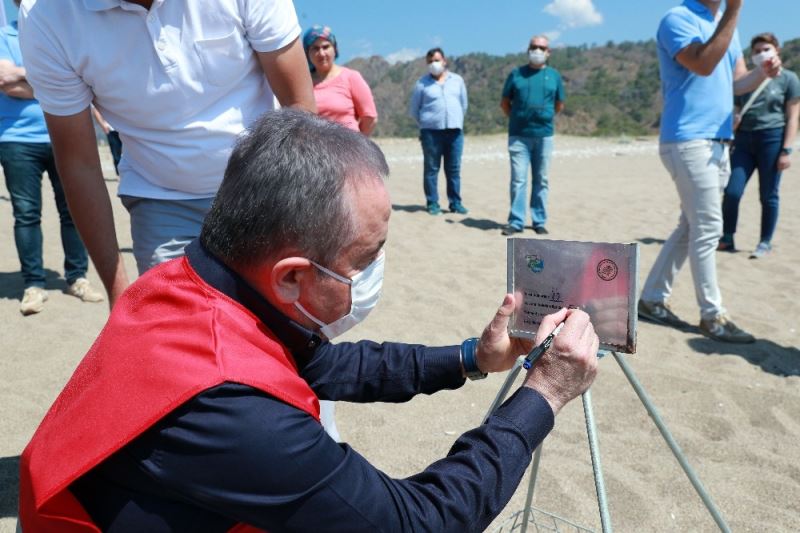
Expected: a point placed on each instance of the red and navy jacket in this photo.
(196, 410)
(170, 337)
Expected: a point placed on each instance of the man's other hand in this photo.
(497, 351)
(569, 367)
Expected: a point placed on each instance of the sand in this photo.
(735, 410)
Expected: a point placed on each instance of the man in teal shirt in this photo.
(532, 97)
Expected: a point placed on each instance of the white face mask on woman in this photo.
(758, 59)
(365, 291)
(436, 68)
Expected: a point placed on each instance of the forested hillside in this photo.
(611, 90)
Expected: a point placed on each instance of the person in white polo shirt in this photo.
(180, 80)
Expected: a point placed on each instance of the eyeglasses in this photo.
(537, 47)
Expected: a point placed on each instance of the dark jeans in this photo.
(115, 145)
(754, 150)
(437, 145)
(23, 165)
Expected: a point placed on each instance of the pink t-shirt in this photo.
(345, 99)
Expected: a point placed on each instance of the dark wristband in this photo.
(468, 359)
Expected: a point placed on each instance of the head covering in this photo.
(318, 32)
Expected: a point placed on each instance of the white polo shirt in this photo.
(179, 82)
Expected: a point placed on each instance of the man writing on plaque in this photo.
(197, 407)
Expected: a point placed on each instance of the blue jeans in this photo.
(23, 165)
(533, 152)
(700, 170)
(754, 150)
(437, 145)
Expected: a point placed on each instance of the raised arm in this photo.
(78, 165)
(702, 58)
(746, 81)
(287, 73)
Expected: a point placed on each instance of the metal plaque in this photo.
(597, 277)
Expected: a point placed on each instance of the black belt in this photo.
(720, 140)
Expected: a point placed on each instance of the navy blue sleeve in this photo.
(239, 453)
(367, 371)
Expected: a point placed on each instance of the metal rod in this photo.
(673, 445)
(597, 467)
(501, 394)
(526, 511)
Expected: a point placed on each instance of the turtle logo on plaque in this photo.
(535, 263)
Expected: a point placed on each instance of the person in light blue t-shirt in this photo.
(532, 97)
(25, 154)
(701, 65)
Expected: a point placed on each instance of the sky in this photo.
(403, 30)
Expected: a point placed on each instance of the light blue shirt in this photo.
(439, 106)
(695, 107)
(21, 119)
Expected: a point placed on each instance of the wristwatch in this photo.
(468, 362)
(786, 151)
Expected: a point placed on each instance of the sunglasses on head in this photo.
(537, 47)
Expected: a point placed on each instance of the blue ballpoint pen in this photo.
(538, 351)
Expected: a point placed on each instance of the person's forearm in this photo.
(366, 125)
(389, 372)
(484, 467)
(703, 58)
(78, 164)
(94, 218)
(792, 122)
(11, 73)
(505, 105)
(749, 82)
(19, 89)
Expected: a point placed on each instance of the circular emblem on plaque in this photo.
(535, 263)
(607, 270)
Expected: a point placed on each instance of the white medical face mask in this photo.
(436, 68)
(758, 59)
(537, 57)
(365, 291)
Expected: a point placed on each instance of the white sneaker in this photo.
(81, 288)
(33, 301)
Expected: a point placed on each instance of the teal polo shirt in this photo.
(533, 94)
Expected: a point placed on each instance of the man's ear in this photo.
(287, 278)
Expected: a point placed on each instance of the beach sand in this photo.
(735, 410)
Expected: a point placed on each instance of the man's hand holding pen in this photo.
(569, 366)
(563, 372)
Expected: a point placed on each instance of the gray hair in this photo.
(284, 188)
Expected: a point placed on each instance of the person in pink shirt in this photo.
(341, 93)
